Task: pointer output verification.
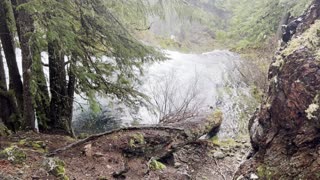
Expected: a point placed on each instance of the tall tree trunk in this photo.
(25, 26)
(42, 98)
(70, 96)
(4, 103)
(7, 40)
(58, 89)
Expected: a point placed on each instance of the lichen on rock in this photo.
(136, 139)
(284, 132)
(56, 167)
(309, 39)
(156, 165)
(278, 62)
(4, 131)
(264, 172)
(312, 109)
(39, 146)
(13, 154)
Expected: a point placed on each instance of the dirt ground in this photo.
(34, 146)
(122, 155)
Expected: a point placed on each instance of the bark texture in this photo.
(285, 131)
(59, 90)
(26, 28)
(4, 103)
(70, 96)
(7, 40)
(42, 98)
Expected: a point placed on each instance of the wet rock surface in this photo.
(285, 130)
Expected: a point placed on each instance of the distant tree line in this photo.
(255, 22)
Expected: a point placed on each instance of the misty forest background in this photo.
(78, 35)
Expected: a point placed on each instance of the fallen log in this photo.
(132, 147)
(119, 130)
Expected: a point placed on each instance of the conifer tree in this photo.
(7, 26)
(78, 36)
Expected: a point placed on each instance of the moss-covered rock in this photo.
(309, 39)
(156, 165)
(284, 131)
(264, 172)
(39, 146)
(56, 167)
(216, 117)
(4, 131)
(136, 140)
(13, 154)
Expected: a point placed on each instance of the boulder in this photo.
(285, 131)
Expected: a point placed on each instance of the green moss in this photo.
(257, 93)
(243, 137)
(156, 165)
(14, 155)
(131, 143)
(204, 178)
(39, 146)
(309, 39)
(22, 142)
(264, 172)
(278, 63)
(136, 139)
(4, 131)
(83, 135)
(216, 117)
(56, 167)
(223, 143)
(215, 140)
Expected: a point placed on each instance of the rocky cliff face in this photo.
(285, 131)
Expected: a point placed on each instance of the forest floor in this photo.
(114, 156)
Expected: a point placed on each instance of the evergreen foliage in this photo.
(253, 22)
(99, 53)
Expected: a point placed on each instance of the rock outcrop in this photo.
(285, 131)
